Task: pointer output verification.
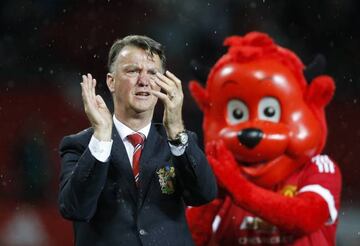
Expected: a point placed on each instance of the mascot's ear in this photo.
(320, 91)
(199, 94)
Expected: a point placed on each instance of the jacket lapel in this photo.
(121, 162)
(151, 158)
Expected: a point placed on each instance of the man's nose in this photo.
(143, 79)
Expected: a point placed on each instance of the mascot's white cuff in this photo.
(328, 197)
(216, 223)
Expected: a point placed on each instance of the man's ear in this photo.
(199, 94)
(110, 81)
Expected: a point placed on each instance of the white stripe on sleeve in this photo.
(328, 197)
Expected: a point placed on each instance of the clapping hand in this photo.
(96, 109)
(172, 97)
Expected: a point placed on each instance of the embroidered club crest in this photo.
(289, 191)
(166, 175)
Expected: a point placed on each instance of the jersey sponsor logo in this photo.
(324, 164)
(261, 240)
(255, 223)
(259, 232)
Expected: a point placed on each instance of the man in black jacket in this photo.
(121, 192)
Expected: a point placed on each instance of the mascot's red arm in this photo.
(200, 221)
(302, 214)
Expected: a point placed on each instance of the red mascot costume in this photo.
(265, 128)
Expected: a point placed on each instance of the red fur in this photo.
(201, 219)
(256, 45)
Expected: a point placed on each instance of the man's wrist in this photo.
(172, 132)
(103, 134)
(181, 139)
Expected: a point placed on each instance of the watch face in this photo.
(184, 138)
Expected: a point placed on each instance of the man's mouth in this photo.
(142, 93)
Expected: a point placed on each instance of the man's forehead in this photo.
(139, 54)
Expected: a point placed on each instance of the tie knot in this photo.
(136, 138)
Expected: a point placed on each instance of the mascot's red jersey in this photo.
(265, 128)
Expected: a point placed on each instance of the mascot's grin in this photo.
(250, 146)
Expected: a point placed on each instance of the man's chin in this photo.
(143, 108)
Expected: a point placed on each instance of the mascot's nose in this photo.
(250, 137)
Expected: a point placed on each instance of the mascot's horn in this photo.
(315, 68)
(200, 71)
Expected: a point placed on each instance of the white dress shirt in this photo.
(101, 149)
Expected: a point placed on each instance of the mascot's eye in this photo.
(237, 112)
(269, 109)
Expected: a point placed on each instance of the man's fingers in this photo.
(174, 78)
(88, 91)
(163, 97)
(91, 88)
(86, 87)
(171, 84)
(100, 101)
(89, 85)
(168, 90)
(84, 96)
(93, 92)
(165, 79)
(162, 84)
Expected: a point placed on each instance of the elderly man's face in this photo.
(130, 80)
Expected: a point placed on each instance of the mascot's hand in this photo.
(224, 165)
(200, 221)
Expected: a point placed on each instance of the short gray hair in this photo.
(139, 41)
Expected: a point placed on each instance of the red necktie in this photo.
(137, 140)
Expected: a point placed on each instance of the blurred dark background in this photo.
(46, 45)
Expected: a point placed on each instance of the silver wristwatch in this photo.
(181, 138)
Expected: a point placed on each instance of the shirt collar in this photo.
(124, 130)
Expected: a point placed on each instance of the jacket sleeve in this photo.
(82, 178)
(195, 174)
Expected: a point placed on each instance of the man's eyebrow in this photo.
(154, 70)
(130, 65)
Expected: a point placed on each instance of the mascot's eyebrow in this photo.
(228, 82)
(272, 78)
